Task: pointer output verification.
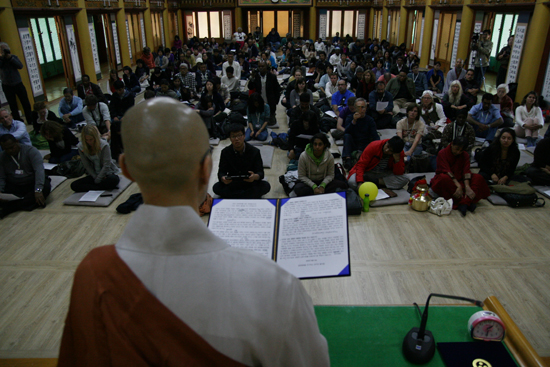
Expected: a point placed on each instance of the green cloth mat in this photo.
(373, 336)
(38, 141)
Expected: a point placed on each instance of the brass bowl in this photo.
(421, 204)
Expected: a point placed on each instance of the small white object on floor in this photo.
(381, 195)
(49, 166)
(91, 196)
(331, 114)
(521, 146)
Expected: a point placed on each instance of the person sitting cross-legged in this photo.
(21, 174)
(70, 108)
(60, 140)
(258, 114)
(402, 91)
(316, 169)
(241, 170)
(411, 129)
(485, 118)
(383, 163)
(453, 178)
(101, 170)
(360, 131)
(307, 124)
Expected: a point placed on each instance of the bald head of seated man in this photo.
(170, 288)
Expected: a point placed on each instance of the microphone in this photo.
(419, 343)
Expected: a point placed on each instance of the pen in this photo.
(105, 195)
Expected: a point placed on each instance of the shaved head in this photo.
(165, 148)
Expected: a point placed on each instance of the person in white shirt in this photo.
(320, 46)
(239, 36)
(529, 119)
(335, 58)
(232, 83)
(231, 62)
(97, 113)
(332, 85)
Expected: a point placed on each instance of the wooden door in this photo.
(446, 33)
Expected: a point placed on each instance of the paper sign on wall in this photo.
(93, 40)
(31, 61)
(515, 56)
(115, 41)
(73, 49)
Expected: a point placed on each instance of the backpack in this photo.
(280, 140)
(239, 107)
(236, 118)
(327, 123)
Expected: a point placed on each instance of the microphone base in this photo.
(418, 351)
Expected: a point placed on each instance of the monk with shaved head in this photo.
(172, 293)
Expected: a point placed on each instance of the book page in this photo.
(313, 236)
(246, 224)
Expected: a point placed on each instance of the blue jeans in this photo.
(489, 135)
(261, 137)
(275, 45)
(417, 150)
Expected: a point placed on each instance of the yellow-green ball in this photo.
(368, 188)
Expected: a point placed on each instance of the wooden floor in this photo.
(398, 256)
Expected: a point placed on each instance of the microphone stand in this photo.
(419, 343)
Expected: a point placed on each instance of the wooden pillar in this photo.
(385, 24)
(238, 18)
(165, 20)
(466, 24)
(313, 19)
(533, 49)
(148, 25)
(403, 14)
(123, 35)
(181, 23)
(85, 42)
(371, 23)
(427, 36)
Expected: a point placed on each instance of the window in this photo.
(215, 24)
(343, 22)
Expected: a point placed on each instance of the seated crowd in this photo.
(366, 86)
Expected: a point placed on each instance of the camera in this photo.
(475, 37)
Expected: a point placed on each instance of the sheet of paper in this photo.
(480, 140)
(304, 136)
(49, 166)
(381, 195)
(381, 105)
(309, 74)
(521, 146)
(227, 110)
(331, 114)
(313, 236)
(9, 197)
(547, 192)
(91, 196)
(246, 224)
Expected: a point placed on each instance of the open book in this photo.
(307, 236)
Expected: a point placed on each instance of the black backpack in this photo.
(327, 123)
(236, 118)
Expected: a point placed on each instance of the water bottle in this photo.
(366, 202)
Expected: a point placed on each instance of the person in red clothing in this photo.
(148, 58)
(383, 163)
(453, 178)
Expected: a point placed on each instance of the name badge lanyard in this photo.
(17, 163)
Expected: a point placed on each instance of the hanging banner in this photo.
(143, 39)
(434, 41)
(515, 56)
(31, 61)
(190, 27)
(73, 49)
(162, 31)
(296, 24)
(455, 44)
(115, 41)
(93, 40)
(421, 37)
(546, 84)
(374, 21)
(227, 29)
(322, 24)
(253, 21)
(380, 26)
(388, 29)
(361, 19)
(128, 36)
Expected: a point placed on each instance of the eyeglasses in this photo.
(235, 137)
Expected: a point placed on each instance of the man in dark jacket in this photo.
(88, 88)
(273, 39)
(360, 131)
(268, 86)
(121, 101)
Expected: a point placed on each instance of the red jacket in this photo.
(149, 60)
(371, 157)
